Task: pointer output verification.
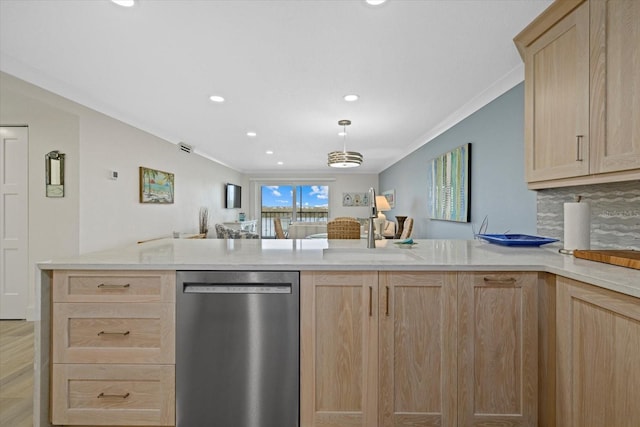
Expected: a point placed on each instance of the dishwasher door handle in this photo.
(236, 288)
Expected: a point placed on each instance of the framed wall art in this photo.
(355, 199)
(156, 186)
(390, 195)
(448, 185)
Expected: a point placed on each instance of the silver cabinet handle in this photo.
(578, 148)
(114, 333)
(122, 396)
(105, 286)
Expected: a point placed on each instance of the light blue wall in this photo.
(498, 187)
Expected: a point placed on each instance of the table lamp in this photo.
(381, 205)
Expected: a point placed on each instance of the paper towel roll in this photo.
(577, 226)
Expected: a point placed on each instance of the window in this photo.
(290, 203)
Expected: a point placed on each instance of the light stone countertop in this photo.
(311, 254)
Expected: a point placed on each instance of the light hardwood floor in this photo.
(16, 373)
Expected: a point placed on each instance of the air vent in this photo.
(185, 147)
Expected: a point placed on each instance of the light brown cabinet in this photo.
(582, 93)
(557, 100)
(598, 377)
(615, 84)
(113, 348)
(417, 341)
(418, 348)
(497, 350)
(338, 349)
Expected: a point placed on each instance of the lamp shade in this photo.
(382, 204)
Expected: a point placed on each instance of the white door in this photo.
(14, 214)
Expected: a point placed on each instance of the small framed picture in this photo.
(156, 186)
(390, 195)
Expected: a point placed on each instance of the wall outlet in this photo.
(113, 175)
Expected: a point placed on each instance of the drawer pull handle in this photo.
(386, 310)
(122, 396)
(103, 286)
(114, 333)
(509, 281)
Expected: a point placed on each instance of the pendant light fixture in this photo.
(344, 158)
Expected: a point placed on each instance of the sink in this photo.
(372, 255)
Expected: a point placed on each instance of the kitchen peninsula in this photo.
(365, 314)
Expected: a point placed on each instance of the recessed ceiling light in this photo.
(216, 98)
(125, 3)
(251, 134)
(375, 2)
(269, 152)
(351, 98)
(280, 163)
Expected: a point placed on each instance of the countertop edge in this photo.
(599, 282)
(304, 255)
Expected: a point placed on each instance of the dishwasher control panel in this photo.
(200, 288)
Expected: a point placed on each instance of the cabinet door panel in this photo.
(615, 85)
(598, 357)
(417, 341)
(557, 100)
(497, 349)
(339, 349)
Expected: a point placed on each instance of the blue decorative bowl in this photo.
(516, 239)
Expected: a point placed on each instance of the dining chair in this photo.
(344, 218)
(277, 225)
(223, 232)
(343, 229)
(407, 228)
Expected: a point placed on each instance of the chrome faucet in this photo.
(371, 238)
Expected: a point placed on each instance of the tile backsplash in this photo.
(615, 213)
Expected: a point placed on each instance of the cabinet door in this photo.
(339, 349)
(557, 100)
(497, 349)
(417, 347)
(598, 357)
(615, 85)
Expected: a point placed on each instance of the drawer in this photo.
(129, 395)
(113, 333)
(113, 286)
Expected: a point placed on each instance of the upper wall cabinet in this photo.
(615, 85)
(582, 93)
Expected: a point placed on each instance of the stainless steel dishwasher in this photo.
(237, 349)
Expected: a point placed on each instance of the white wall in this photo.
(106, 204)
(53, 222)
(96, 212)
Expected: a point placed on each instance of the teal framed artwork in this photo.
(448, 185)
(156, 186)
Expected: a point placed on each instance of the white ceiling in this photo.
(283, 67)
